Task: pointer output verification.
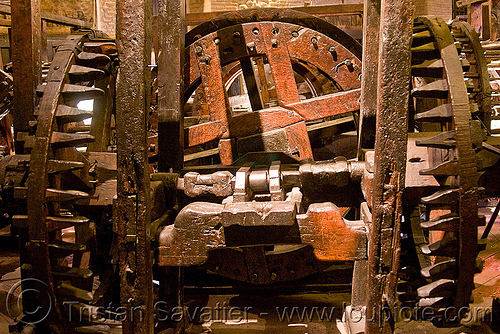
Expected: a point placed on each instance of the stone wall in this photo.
(104, 20)
(107, 16)
(441, 9)
(80, 9)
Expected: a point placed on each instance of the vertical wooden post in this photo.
(486, 21)
(495, 20)
(171, 16)
(25, 40)
(26, 63)
(371, 27)
(170, 85)
(476, 17)
(390, 161)
(132, 108)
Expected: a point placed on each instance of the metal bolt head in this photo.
(274, 276)
(251, 46)
(295, 34)
(199, 50)
(349, 64)
(274, 42)
(206, 60)
(314, 42)
(333, 52)
(217, 41)
(255, 276)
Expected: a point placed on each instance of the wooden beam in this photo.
(26, 63)
(371, 27)
(134, 43)
(495, 20)
(193, 19)
(53, 18)
(463, 3)
(67, 21)
(393, 90)
(170, 95)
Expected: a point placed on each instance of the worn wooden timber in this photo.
(48, 17)
(193, 19)
(495, 20)
(390, 161)
(134, 43)
(368, 108)
(170, 85)
(26, 65)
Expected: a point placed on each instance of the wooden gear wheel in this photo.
(59, 188)
(300, 72)
(450, 114)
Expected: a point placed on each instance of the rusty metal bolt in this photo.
(314, 42)
(217, 41)
(152, 147)
(255, 31)
(276, 31)
(295, 34)
(333, 52)
(199, 50)
(349, 64)
(236, 34)
(274, 42)
(255, 276)
(206, 60)
(274, 276)
(251, 47)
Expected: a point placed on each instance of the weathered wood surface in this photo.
(134, 43)
(170, 85)
(393, 89)
(26, 62)
(371, 28)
